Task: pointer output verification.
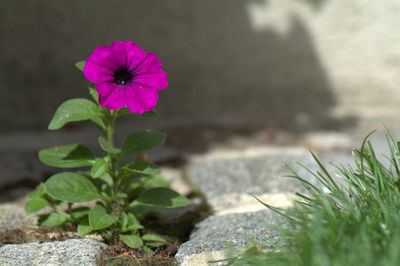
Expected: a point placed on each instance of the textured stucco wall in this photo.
(274, 61)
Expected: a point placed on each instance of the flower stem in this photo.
(112, 169)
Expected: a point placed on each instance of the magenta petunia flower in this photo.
(126, 76)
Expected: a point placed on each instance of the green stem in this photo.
(112, 159)
(113, 171)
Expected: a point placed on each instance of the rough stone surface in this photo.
(204, 258)
(242, 203)
(226, 177)
(328, 141)
(258, 170)
(13, 216)
(218, 232)
(70, 252)
(175, 176)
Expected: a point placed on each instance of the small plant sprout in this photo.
(115, 191)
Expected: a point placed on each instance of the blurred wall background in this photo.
(289, 63)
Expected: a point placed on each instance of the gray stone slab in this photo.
(237, 230)
(70, 252)
(257, 171)
(13, 216)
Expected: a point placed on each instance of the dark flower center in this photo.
(123, 76)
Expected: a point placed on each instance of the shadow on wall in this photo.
(317, 4)
(220, 68)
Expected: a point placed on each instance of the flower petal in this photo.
(111, 96)
(134, 53)
(104, 89)
(120, 53)
(151, 63)
(157, 80)
(141, 99)
(96, 73)
(100, 65)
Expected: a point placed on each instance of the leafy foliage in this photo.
(71, 187)
(75, 110)
(143, 140)
(68, 156)
(112, 185)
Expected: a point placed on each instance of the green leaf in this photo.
(121, 195)
(148, 251)
(80, 65)
(154, 244)
(38, 192)
(132, 241)
(150, 114)
(142, 167)
(163, 197)
(54, 220)
(94, 94)
(71, 187)
(35, 204)
(154, 238)
(99, 167)
(129, 223)
(133, 223)
(100, 219)
(107, 147)
(106, 177)
(143, 140)
(83, 229)
(155, 181)
(68, 156)
(139, 168)
(123, 111)
(123, 220)
(79, 213)
(74, 110)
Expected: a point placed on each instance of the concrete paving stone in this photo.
(329, 141)
(70, 252)
(13, 216)
(204, 258)
(175, 176)
(238, 230)
(256, 170)
(242, 203)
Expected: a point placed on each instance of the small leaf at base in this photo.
(132, 241)
(54, 220)
(83, 229)
(35, 204)
(71, 187)
(100, 219)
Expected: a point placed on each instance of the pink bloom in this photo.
(126, 76)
